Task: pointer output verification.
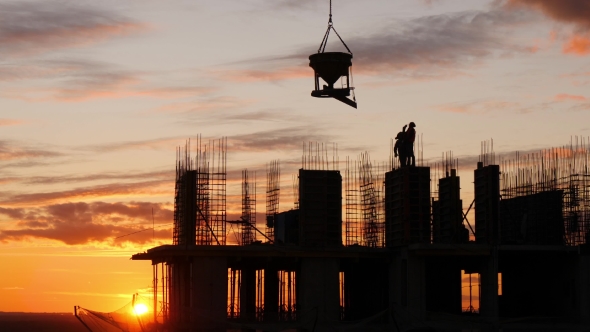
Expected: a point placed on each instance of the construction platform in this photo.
(403, 258)
(330, 287)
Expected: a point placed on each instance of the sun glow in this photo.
(140, 309)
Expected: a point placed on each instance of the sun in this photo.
(140, 309)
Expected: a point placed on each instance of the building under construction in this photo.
(394, 258)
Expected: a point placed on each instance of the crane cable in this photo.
(331, 27)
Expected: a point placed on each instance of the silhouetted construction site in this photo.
(377, 246)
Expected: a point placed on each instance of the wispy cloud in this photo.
(131, 175)
(13, 71)
(282, 139)
(91, 84)
(80, 223)
(94, 81)
(6, 180)
(29, 28)
(11, 150)
(568, 97)
(424, 48)
(12, 213)
(439, 45)
(580, 107)
(256, 75)
(460, 108)
(10, 122)
(245, 116)
(163, 143)
(145, 188)
(430, 2)
(204, 104)
(75, 80)
(578, 78)
(578, 45)
(572, 12)
(293, 4)
(278, 139)
(481, 107)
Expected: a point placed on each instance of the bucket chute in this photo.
(331, 67)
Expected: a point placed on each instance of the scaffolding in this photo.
(447, 210)
(315, 157)
(320, 196)
(260, 295)
(371, 191)
(200, 194)
(210, 164)
(295, 180)
(161, 291)
(545, 200)
(486, 195)
(364, 199)
(486, 155)
(273, 188)
(218, 189)
(287, 295)
(352, 201)
(547, 192)
(204, 231)
(233, 293)
(247, 234)
(184, 198)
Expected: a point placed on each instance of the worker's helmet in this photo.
(400, 135)
(412, 124)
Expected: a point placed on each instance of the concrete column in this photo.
(179, 292)
(583, 285)
(271, 294)
(488, 303)
(248, 295)
(395, 283)
(416, 294)
(209, 294)
(318, 289)
(443, 285)
(407, 291)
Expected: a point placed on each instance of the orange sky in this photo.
(96, 96)
(53, 279)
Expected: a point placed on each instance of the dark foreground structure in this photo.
(401, 265)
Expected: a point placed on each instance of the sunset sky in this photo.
(95, 96)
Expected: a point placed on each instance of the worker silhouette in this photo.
(409, 138)
(399, 149)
